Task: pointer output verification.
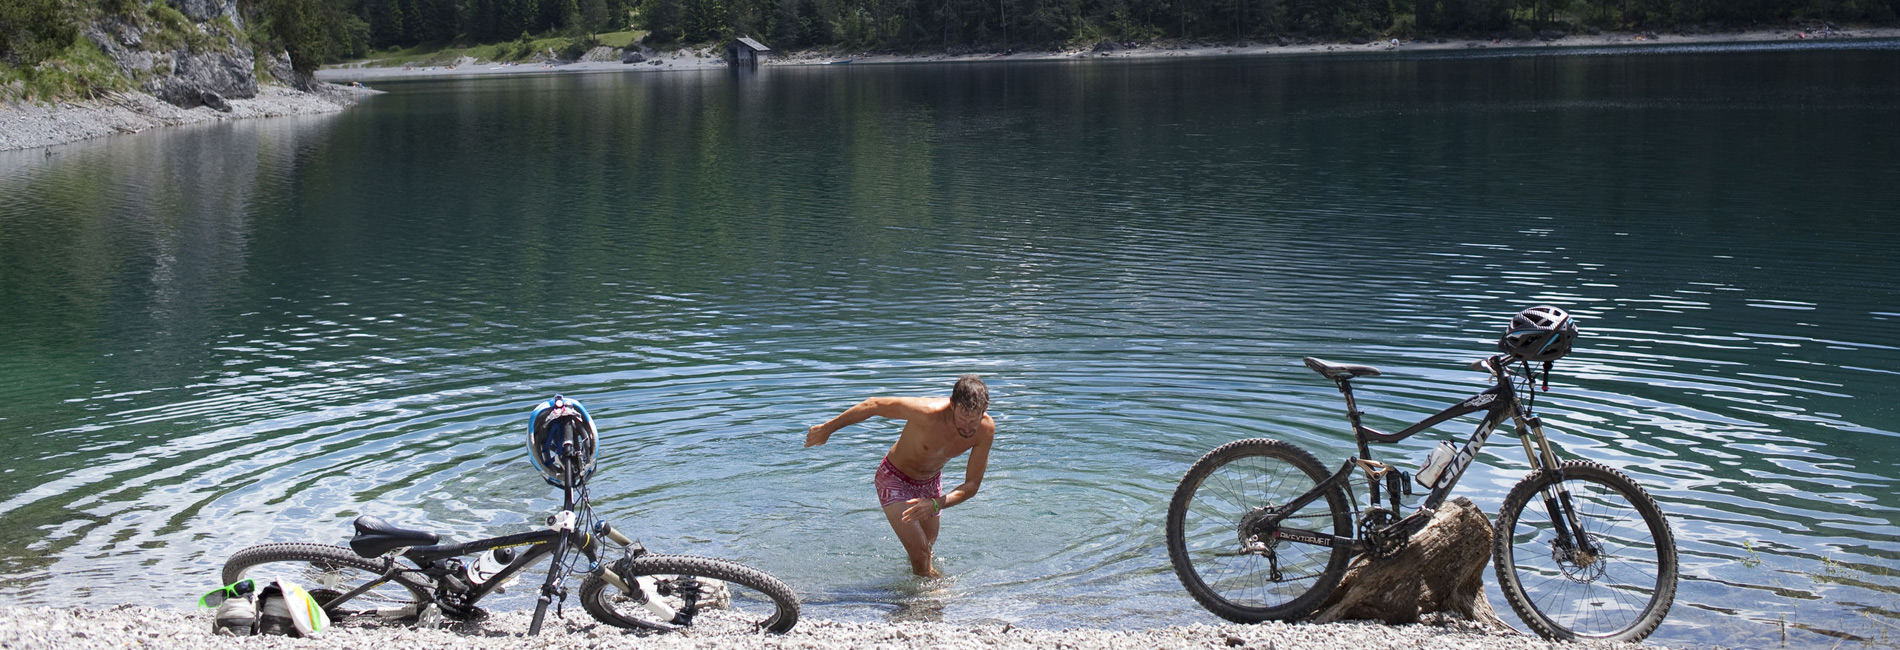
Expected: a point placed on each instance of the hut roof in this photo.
(755, 45)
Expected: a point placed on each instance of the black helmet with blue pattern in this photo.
(1541, 333)
(554, 424)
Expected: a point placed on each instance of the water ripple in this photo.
(353, 316)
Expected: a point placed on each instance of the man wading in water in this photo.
(910, 480)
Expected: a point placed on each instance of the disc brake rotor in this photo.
(1578, 565)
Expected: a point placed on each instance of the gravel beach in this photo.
(28, 125)
(131, 626)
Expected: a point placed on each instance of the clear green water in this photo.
(224, 335)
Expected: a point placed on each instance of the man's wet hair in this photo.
(970, 394)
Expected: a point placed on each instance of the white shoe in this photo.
(235, 617)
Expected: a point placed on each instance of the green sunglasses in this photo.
(237, 589)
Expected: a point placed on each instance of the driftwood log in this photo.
(1440, 570)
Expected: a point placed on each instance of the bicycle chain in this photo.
(1375, 529)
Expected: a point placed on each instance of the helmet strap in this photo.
(1547, 365)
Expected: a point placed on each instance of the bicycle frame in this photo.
(1498, 403)
(564, 533)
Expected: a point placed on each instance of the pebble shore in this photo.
(28, 125)
(131, 626)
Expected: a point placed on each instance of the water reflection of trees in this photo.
(136, 243)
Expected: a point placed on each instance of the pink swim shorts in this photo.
(894, 486)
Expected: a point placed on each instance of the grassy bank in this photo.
(518, 50)
(79, 71)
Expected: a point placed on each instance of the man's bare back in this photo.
(909, 480)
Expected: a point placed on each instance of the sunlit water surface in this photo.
(218, 336)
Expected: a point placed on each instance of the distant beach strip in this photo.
(693, 59)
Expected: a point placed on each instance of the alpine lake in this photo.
(232, 334)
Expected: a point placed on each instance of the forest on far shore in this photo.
(319, 31)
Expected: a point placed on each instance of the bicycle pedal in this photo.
(430, 618)
(713, 594)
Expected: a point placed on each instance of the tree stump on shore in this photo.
(1440, 570)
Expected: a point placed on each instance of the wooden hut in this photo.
(745, 51)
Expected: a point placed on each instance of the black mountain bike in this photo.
(400, 575)
(1258, 530)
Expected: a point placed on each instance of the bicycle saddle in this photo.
(375, 537)
(1337, 371)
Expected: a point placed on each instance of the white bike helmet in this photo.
(1541, 333)
(557, 422)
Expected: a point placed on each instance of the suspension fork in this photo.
(552, 587)
(1557, 503)
(570, 539)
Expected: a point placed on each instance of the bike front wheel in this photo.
(738, 598)
(1223, 564)
(1582, 552)
(328, 572)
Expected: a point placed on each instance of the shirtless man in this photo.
(935, 431)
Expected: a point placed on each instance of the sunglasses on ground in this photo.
(239, 589)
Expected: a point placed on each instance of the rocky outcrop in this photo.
(194, 76)
(282, 71)
(187, 61)
(195, 55)
(204, 10)
(601, 54)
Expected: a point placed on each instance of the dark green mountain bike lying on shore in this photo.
(1259, 530)
(394, 574)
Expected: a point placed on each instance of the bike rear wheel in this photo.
(1618, 586)
(328, 572)
(1213, 509)
(752, 599)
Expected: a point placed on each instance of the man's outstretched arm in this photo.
(895, 408)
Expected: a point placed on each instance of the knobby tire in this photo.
(1239, 477)
(323, 574)
(604, 602)
(1622, 595)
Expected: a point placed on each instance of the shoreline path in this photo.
(131, 626)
